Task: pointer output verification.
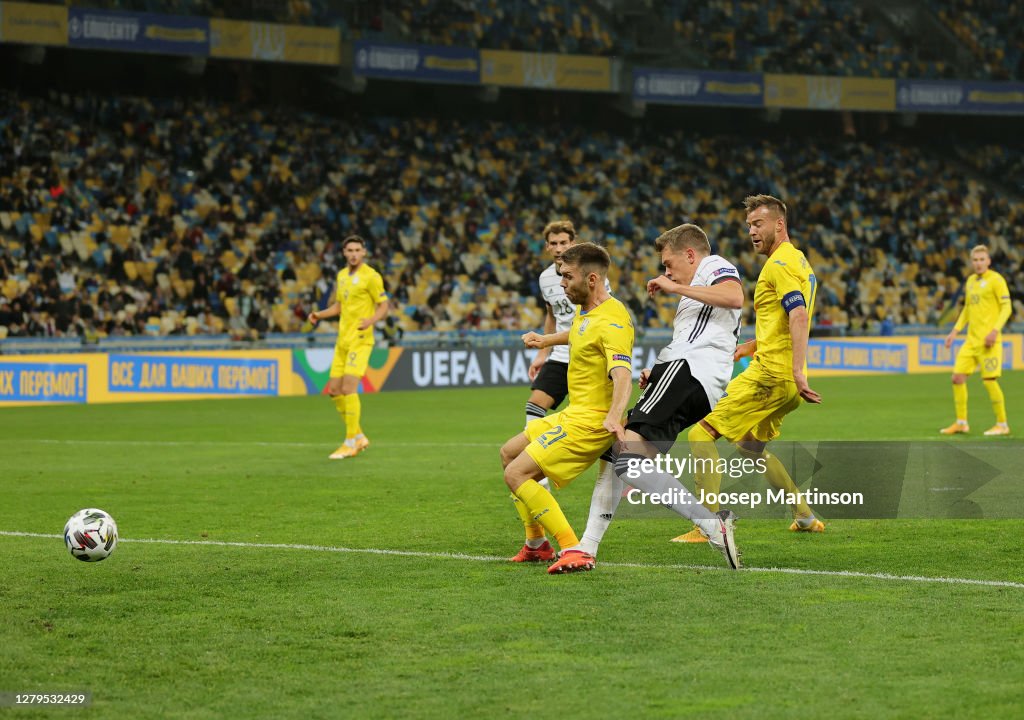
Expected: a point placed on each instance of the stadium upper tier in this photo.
(815, 37)
(827, 37)
(992, 29)
(127, 216)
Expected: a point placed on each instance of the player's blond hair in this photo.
(981, 248)
(753, 202)
(684, 236)
(560, 226)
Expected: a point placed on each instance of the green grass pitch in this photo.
(658, 630)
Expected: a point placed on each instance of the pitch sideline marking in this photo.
(491, 558)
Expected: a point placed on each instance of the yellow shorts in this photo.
(564, 444)
(754, 402)
(972, 356)
(350, 360)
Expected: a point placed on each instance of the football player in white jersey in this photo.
(549, 367)
(688, 379)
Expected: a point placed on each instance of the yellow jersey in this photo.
(359, 293)
(786, 281)
(987, 306)
(599, 341)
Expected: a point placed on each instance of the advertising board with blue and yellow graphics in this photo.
(426, 63)
(138, 32)
(510, 68)
(141, 377)
(146, 377)
(666, 86)
(274, 42)
(925, 354)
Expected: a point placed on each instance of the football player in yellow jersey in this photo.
(600, 379)
(755, 402)
(987, 307)
(361, 301)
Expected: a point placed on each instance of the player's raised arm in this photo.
(536, 340)
(727, 294)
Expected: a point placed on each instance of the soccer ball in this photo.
(91, 535)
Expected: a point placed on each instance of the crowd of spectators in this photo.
(556, 26)
(130, 216)
(1002, 162)
(992, 29)
(820, 37)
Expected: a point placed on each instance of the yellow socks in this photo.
(534, 530)
(776, 475)
(960, 400)
(542, 507)
(708, 479)
(705, 477)
(350, 408)
(353, 412)
(995, 394)
(340, 404)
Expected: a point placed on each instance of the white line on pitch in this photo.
(491, 558)
(232, 443)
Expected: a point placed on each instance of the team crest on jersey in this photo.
(355, 279)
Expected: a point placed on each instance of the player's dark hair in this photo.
(682, 237)
(560, 226)
(352, 239)
(588, 257)
(753, 202)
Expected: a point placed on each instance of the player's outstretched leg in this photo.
(717, 527)
(541, 507)
(603, 504)
(707, 480)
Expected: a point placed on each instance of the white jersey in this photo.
(563, 310)
(703, 335)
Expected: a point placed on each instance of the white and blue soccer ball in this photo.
(90, 535)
